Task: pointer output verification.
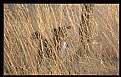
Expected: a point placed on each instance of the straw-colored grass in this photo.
(33, 41)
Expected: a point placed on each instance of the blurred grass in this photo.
(99, 56)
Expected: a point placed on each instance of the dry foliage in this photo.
(34, 36)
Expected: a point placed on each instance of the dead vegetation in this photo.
(34, 36)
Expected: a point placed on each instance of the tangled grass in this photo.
(33, 40)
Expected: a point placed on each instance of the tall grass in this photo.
(92, 42)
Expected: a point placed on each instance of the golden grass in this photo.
(98, 56)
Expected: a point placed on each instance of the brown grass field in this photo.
(35, 36)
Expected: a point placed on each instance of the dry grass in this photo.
(94, 51)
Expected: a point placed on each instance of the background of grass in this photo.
(20, 50)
